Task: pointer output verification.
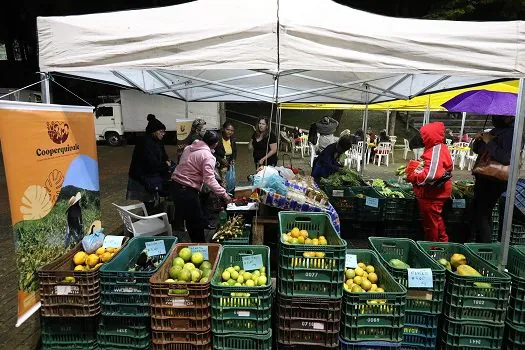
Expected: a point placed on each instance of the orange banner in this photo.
(51, 167)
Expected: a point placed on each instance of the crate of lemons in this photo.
(301, 237)
(362, 279)
(189, 267)
(89, 262)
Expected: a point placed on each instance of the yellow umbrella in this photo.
(430, 102)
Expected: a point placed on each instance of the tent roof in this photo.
(432, 102)
(232, 50)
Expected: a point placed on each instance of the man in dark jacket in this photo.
(327, 163)
(498, 144)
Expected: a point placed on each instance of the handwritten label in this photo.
(351, 261)
(243, 313)
(252, 262)
(420, 278)
(338, 193)
(200, 249)
(154, 248)
(113, 241)
(372, 202)
(312, 325)
(459, 204)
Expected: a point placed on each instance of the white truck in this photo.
(126, 118)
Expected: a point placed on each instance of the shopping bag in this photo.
(230, 179)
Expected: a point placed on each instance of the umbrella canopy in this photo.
(483, 102)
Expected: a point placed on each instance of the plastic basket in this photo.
(242, 341)
(241, 314)
(516, 269)
(310, 276)
(420, 331)
(182, 306)
(115, 326)
(456, 212)
(464, 300)
(400, 209)
(174, 338)
(471, 335)
(308, 321)
(341, 199)
(59, 298)
(429, 300)
(401, 229)
(125, 293)
(361, 229)
(368, 205)
(68, 332)
(244, 239)
(514, 337)
(363, 318)
(368, 345)
(517, 234)
(181, 346)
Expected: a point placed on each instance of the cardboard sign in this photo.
(113, 241)
(338, 193)
(459, 204)
(351, 261)
(252, 262)
(200, 249)
(420, 278)
(154, 248)
(372, 202)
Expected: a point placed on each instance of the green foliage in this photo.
(39, 242)
(344, 178)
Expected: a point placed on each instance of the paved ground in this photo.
(113, 163)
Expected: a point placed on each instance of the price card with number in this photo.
(459, 203)
(351, 261)
(113, 241)
(200, 249)
(372, 202)
(252, 262)
(154, 248)
(420, 278)
(338, 193)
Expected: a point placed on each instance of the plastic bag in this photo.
(230, 179)
(273, 182)
(287, 173)
(92, 242)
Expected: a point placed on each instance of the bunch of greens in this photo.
(385, 191)
(343, 178)
(462, 190)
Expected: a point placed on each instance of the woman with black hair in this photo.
(263, 144)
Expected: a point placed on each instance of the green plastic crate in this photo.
(363, 210)
(457, 335)
(244, 239)
(242, 341)
(68, 332)
(516, 270)
(400, 209)
(429, 300)
(420, 331)
(310, 276)
(241, 314)
(464, 300)
(368, 345)
(125, 293)
(490, 252)
(514, 337)
(342, 199)
(362, 318)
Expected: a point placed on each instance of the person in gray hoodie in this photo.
(326, 128)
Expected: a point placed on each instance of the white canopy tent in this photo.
(283, 51)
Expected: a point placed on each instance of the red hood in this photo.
(432, 134)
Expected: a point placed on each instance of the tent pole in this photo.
(365, 126)
(513, 173)
(387, 119)
(186, 107)
(45, 89)
(463, 117)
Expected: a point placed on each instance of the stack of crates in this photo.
(125, 297)
(309, 285)
(515, 320)
(181, 312)
(474, 307)
(242, 315)
(70, 304)
(372, 320)
(423, 304)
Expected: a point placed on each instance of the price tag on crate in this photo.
(252, 262)
(459, 204)
(420, 278)
(113, 241)
(338, 193)
(372, 202)
(154, 248)
(351, 261)
(200, 249)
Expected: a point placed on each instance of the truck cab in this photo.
(108, 123)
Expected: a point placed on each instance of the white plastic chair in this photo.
(384, 149)
(393, 140)
(406, 149)
(459, 153)
(143, 225)
(313, 154)
(418, 152)
(356, 155)
(471, 159)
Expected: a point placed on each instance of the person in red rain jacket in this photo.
(431, 180)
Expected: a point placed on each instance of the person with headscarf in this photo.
(326, 128)
(149, 166)
(498, 144)
(328, 162)
(196, 168)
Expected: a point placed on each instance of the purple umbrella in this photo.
(483, 102)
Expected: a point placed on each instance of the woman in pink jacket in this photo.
(196, 167)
